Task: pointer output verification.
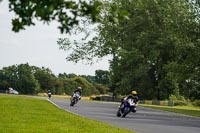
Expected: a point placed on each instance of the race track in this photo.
(143, 121)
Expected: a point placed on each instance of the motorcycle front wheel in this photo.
(126, 111)
(72, 102)
(119, 113)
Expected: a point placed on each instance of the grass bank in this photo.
(187, 110)
(20, 114)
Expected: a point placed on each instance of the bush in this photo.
(88, 88)
(196, 103)
(181, 98)
(175, 98)
(172, 97)
(180, 103)
(101, 88)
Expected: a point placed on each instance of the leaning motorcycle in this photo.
(74, 99)
(127, 106)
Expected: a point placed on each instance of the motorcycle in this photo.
(49, 95)
(125, 108)
(75, 98)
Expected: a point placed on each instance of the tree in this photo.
(102, 77)
(159, 37)
(159, 34)
(26, 83)
(101, 88)
(89, 78)
(19, 77)
(67, 13)
(69, 86)
(45, 78)
(87, 87)
(58, 87)
(8, 77)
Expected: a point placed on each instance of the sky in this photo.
(36, 45)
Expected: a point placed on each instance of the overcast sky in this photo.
(37, 46)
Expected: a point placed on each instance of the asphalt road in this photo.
(143, 121)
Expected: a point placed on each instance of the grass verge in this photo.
(187, 110)
(20, 114)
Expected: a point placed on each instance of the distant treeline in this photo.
(32, 80)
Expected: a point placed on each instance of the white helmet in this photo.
(79, 88)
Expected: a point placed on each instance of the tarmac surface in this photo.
(145, 120)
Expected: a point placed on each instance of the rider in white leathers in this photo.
(133, 96)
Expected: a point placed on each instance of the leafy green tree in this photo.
(102, 77)
(45, 78)
(71, 75)
(20, 78)
(58, 87)
(26, 83)
(88, 88)
(89, 83)
(8, 77)
(69, 86)
(159, 38)
(89, 78)
(67, 13)
(101, 88)
(64, 75)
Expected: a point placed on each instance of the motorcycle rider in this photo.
(49, 93)
(134, 97)
(79, 90)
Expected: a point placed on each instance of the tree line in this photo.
(32, 80)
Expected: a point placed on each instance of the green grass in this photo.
(21, 114)
(187, 110)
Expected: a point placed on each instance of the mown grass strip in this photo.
(187, 110)
(20, 114)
